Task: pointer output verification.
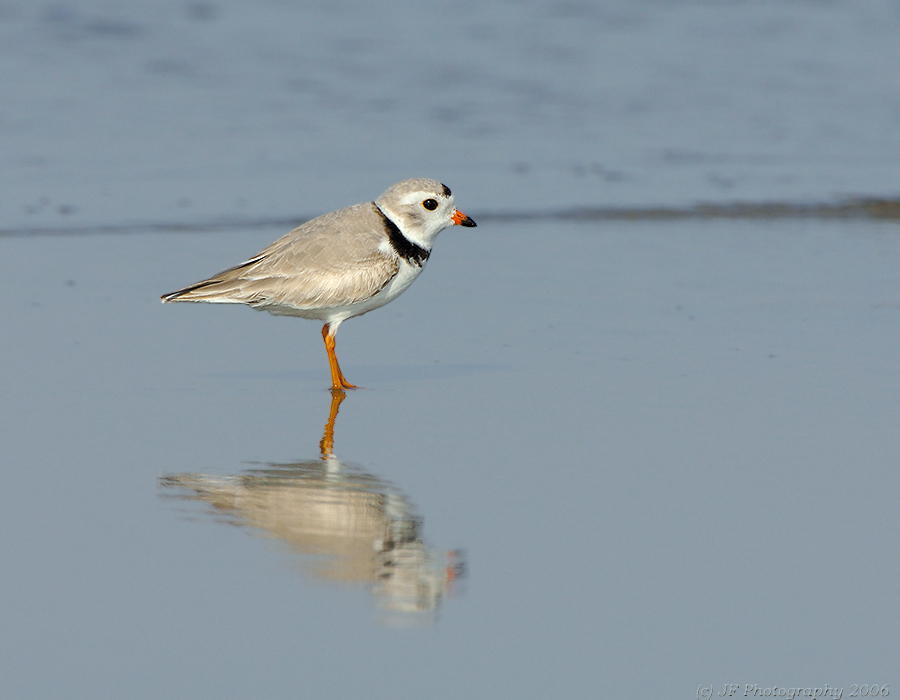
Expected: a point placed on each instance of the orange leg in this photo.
(338, 381)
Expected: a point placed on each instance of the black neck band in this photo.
(406, 249)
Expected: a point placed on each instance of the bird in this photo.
(339, 265)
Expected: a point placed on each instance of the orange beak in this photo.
(461, 219)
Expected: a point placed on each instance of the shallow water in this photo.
(671, 448)
(609, 444)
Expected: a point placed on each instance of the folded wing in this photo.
(338, 259)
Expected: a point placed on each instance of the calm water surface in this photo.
(591, 459)
(673, 449)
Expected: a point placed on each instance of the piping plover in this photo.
(342, 264)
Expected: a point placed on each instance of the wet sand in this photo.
(658, 440)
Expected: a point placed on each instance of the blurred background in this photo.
(633, 436)
(182, 112)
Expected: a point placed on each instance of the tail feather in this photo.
(217, 288)
(188, 293)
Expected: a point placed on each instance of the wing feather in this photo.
(334, 260)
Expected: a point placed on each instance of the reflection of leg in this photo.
(337, 378)
(456, 566)
(327, 444)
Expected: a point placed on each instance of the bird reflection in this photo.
(357, 527)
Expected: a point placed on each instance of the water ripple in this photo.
(875, 208)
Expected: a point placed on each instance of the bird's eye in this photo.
(430, 204)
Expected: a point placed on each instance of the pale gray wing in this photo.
(334, 260)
